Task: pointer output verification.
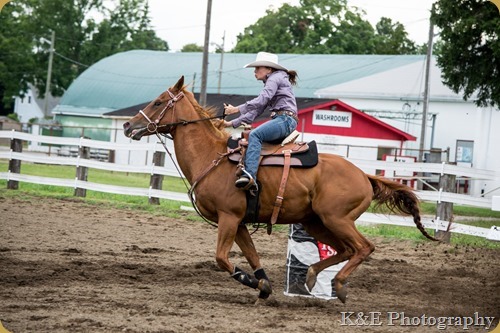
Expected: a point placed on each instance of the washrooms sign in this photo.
(332, 118)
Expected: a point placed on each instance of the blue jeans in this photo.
(273, 130)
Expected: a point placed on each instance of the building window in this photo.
(464, 151)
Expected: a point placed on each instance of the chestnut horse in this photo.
(326, 199)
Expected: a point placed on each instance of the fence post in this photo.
(156, 181)
(81, 171)
(444, 210)
(111, 156)
(16, 145)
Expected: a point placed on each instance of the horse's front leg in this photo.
(245, 242)
(228, 228)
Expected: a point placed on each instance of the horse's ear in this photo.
(180, 84)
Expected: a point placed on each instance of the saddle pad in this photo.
(306, 159)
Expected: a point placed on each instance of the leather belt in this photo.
(274, 114)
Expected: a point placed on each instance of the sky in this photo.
(183, 22)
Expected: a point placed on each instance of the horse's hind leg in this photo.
(321, 233)
(361, 248)
(245, 242)
(350, 245)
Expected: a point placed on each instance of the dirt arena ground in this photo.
(66, 266)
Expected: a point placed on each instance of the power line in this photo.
(71, 60)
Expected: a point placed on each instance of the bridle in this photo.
(152, 126)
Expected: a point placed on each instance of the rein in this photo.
(152, 127)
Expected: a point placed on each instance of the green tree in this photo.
(353, 35)
(469, 52)
(80, 41)
(392, 38)
(72, 24)
(16, 62)
(192, 47)
(322, 27)
(293, 29)
(125, 27)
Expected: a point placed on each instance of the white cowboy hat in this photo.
(266, 59)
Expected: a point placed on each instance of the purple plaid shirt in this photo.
(277, 95)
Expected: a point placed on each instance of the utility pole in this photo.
(221, 62)
(426, 92)
(49, 74)
(203, 91)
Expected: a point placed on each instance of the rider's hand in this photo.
(228, 123)
(229, 109)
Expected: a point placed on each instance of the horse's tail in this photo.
(398, 198)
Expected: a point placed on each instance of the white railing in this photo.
(396, 167)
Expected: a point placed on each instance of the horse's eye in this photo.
(157, 103)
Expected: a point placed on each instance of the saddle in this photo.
(303, 154)
(287, 154)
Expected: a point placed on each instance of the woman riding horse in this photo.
(279, 96)
(326, 199)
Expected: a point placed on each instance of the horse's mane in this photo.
(217, 124)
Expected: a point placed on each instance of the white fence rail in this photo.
(492, 234)
(74, 183)
(432, 196)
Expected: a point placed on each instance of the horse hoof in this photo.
(265, 288)
(260, 301)
(341, 294)
(310, 279)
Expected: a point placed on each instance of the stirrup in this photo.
(245, 181)
(242, 181)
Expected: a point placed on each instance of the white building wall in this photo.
(487, 147)
(27, 108)
(455, 120)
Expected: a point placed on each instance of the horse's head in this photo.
(154, 119)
